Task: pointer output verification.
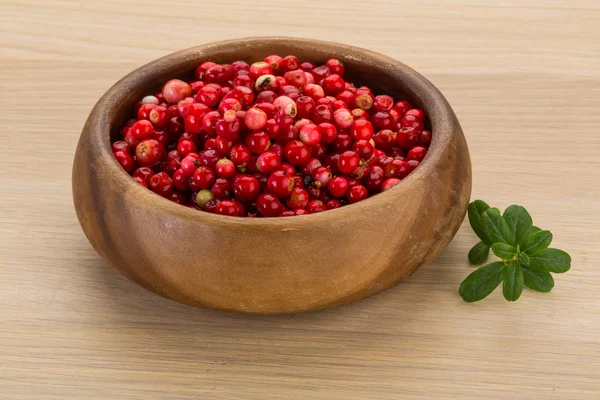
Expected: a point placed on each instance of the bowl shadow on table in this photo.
(399, 309)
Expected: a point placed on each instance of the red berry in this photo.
(193, 117)
(144, 173)
(287, 168)
(267, 96)
(204, 177)
(297, 199)
(358, 113)
(320, 73)
(144, 111)
(335, 66)
(260, 68)
(209, 158)
(361, 130)
(413, 164)
(412, 122)
(229, 104)
(120, 146)
(258, 142)
(246, 187)
(305, 106)
(202, 68)
(357, 193)
(224, 168)
(222, 188)
(384, 139)
(383, 103)
(313, 91)
(425, 138)
(208, 96)
(322, 113)
(240, 155)
(161, 183)
(338, 186)
(296, 153)
(318, 151)
(362, 100)
(125, 161)
(255, 119)
(383, 120)
(272, 128)
(333, 203)
(348, 162)
(310, 134)
(268, 162)
(295, 78)
(288, 63)
(273, 61)
(321, 176)
(211, 205)
(417, 153)
(407, 138)
(328, 132)
(238, 66)
(228, 127)
(185, 147)
(333, 84)
(243, 80)
(280, 183)
(142, 129)
(374, 178)
(149, 152)
(268, 205)
(176, 90)
(180, 180)
(419, 114)
(397, 169)
(315, 206)
(244, 95)
(231, 208)
(140, 181)
(389, 183)
(364, 148)
(343, 118)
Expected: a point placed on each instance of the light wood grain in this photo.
(524, 80)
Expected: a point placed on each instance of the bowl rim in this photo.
(443, 121)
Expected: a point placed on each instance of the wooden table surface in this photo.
(524, 80)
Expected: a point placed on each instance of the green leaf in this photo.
(512, 287)
(539, 281)
(479, 253)
(481, 282)
(523, 258)
(504, 251)
(519, 221)
(530, 232)
(537, 242)
(496, 227)
(476, 208)
(551, 260)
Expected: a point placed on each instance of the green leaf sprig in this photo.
(522, 248)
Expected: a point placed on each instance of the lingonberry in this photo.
(144, 173)
(361, 130)
(211, 205)
(296, 153)
(397, 153)
(310, 134)
(305, 106)
(217, 74)
(331, 161)
(322, 113)
(238, 66)
(185, 147)
(417, 153)
(357, 193)
(333, 84)
(383, 103)
(397, 169)
(267, 96)
(413, 164)
(313, 91)
(364, 149)
(204, 177)
(240, 155)
(389, 183)
(258, 142)
(384, 139)
(120, 145)
(255, 119)
(328, 132)
(288, 63)
(260, 68)
(140, 181)
(125, 160)
(228, 127)
(229, 104)
(277, 149)
(315, 206)
(244, 95)
(268, 162)
(374, 178)
(274, 61)
(222, 188)
(318, 151)
(209, 158)
(224, 168)
(342, 143)
(268, 205)
(202, 68)
(407, 138)
(333, 203)
(425, 138)
(243, 80)
(266, 82)
(297, 199)
(320, 73)
(142, 129)
(287, 168)
(203, 197)
(280, 183)
(310, 166)
(321, 176)
(144, 111)
(413, 122)
(246, 187)
(348, 162)
(176, 90)
(231, 208)
(180, 180)
(343, 118)
(383, 120)
(362, 99)
(338, 186)
(208, 96)
(295, 78)
(149, 152)
(161, 183)
(417, 113)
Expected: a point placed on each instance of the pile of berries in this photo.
(274, 138)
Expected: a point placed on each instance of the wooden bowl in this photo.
(271, 265)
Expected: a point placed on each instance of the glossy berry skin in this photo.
(204, 177)
(413, 164)
(333, 84)
(297, 199)
(230, 208)
(425, 138)
(161, 184)
(364, 149)
(142, 129)
(322, 113)
(374, 178)
(321, 176)
(383, 103)
(268, 162)
(412, 122)
(258, 142)
(385, 139)
(407, 138)
(342, 143)
(348, 162)
(225, 168)
(125, 160)
(305, 106)
(268, 205)
(343, 118)
(274, 61)
(397, 169)
(338, 186)
(328, 132)
(417, 153)
(417, 113)
(120, 145)
(176, 90)
(246, 187)
(222, 188)
(185, 147)
(335, 66)
(260, 68)
(240, 155)
(310, 134)
(144, 173)
(357, 193)
(149, 152)
(159, 116)
(193, 117)
(383, 120)
(280, 183)
(361, 130)
(255, 119)
(209, 158)
(140, 181)
(389, 183)
(296, 153)
(180, 181)
(362, 100)
(229, 104)
(315, 206)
